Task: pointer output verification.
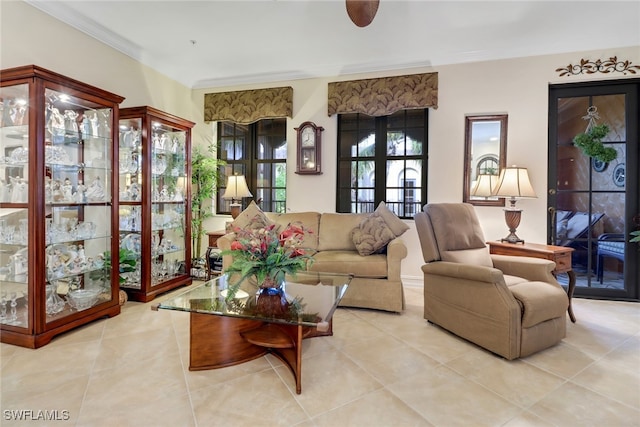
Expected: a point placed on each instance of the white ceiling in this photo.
(244, 41)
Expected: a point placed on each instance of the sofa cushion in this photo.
(350, 262)
(397, 226)
(335, 231)
(250, 218)
(371, 235)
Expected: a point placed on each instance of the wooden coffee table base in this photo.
(218, 341)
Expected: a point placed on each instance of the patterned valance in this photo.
(384, 96)
(248, 106)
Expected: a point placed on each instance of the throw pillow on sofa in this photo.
(250, 218)
(377, 230)
(372, 235)
(397, 226)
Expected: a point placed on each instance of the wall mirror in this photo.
(485, 154)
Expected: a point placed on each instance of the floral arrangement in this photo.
(266, 254)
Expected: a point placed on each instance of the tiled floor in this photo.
(378, 369)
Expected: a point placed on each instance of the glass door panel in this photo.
(591, 202)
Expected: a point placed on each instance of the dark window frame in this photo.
(246, 141)
(354, 128)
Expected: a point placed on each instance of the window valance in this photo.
(248, 106)
(383, 96)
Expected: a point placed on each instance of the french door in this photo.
(593, 205)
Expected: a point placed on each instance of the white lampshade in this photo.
(236, 188)
(514, 183)
(484, 185)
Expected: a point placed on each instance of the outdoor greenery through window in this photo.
(382, 159)
(259, 152)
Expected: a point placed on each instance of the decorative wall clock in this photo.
(618, 175)
(599, 165)
(309, 149)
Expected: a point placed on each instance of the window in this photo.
(488, 165)
(382, 159)
(259, 152)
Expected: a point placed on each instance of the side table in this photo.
(561, 255)
(213, 244)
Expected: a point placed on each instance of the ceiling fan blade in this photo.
(362, 12)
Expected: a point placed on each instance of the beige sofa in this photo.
(376, 283)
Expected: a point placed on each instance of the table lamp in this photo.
(513, 184)
(236, 189)
(484, 185)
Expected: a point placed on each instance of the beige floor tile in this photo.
(562, 359)
(122, 389)
(445, 398)
(354, 330)
(516, 381)
(438, 343)
(139, 318)
(573, 405)
(377, 409)
(122, 350)
(527, 419)
(595, 339)
(56, 392)
(259, 399)
(388, 359)
(174, 410)
(62, 360)
(616, 375)
(328, 381)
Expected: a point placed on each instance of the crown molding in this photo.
(88, 26)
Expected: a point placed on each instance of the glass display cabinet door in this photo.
(154, 192)
(168, 189)
(130, 195)
(15, 233)
(78, 204)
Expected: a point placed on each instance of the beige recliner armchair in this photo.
(511, 306)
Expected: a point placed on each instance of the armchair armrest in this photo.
(477, 291)
(533, 269)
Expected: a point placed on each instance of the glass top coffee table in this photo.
(228, 331)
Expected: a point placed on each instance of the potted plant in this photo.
(205, 173)
(127, 261)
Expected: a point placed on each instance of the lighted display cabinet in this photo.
(154, 190)
(57, 212)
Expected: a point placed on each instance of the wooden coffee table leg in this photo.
(216, 342)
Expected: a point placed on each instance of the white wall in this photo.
(518, 87)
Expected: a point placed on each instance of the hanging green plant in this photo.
(590, 142)
(636, 236)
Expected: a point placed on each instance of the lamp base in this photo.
(235, 210)
(512, 218)
(512, 238)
